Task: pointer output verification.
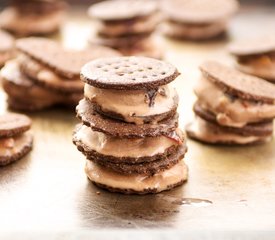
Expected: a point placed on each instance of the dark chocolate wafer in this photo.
(128, 73)
(238, 84)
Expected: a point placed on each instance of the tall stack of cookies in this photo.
(232, 107)
(127, 25)
(45, 75)
(129, 132)
(33, 17)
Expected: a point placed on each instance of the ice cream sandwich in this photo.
(197, 19)
(131, 140)
(15, 138)
(127, 26)
(232, 107)
(44, 74)
(256, 56)
(33, 17)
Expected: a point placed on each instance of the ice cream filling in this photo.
(229, 110)
(134, 105)
(206, 132)
(13, 145)
(121, 147)
(160, 181)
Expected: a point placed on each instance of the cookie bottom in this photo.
(138, 183)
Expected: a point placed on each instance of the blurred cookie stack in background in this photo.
(127, 26)
(197, 19)
(33, 17)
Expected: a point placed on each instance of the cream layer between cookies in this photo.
(133, 105)
(196, 31)
(113, 28)
(13, 145)
(123, 147)
(235, 112)
(139, 182)
(203, 131)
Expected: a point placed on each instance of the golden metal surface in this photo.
(48, 190)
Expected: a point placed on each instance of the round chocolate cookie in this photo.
(12, 124)
(66, 63)
(264, 128)
(88, 115)
(199, 11)
(137, 183)
(238, 84)
(128, 73)
(117, 10)
(13, 149)
(256, 46)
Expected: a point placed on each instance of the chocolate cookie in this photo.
(116, 10)
(15, 142)
(244, 86)
(67, 63)
(264, 128)
(137, 183)
(128, 73)
(12, 124)
(87, 114)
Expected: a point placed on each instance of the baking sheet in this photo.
(48, 190)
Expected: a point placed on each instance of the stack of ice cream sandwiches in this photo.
(33, 17)
(6, 47)
(197, 19)
(232, 107)
(129, 132)
(44, 74)
(127, 25)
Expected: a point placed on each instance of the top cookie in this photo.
(114, 10)
(253, 46)
(199, 11)
(239, 84)
(6, 41)
(12, 124)
(128, 73)
(64, 62)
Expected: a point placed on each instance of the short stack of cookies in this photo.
(129, 132)
(127, 25)
(256, 56)
(197, 19)
(15, 138)
(232, 107)
(33, 17)
(44, 74)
